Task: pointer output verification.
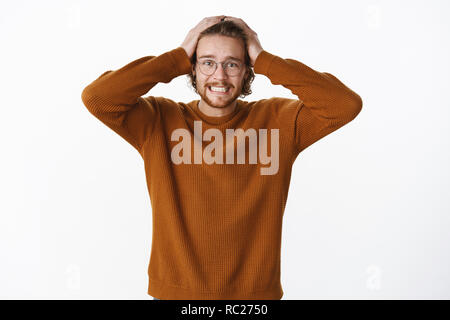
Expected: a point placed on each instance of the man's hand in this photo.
(254, 47)
(190, 43)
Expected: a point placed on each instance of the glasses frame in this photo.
(223, 67)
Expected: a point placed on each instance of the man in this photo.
(218, 201)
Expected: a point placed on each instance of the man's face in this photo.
(220, 47)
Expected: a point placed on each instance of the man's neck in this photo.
(214, 111)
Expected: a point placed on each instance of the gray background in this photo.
(367, 215)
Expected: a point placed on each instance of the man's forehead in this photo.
(213, 56)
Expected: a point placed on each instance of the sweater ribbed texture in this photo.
(217, 227)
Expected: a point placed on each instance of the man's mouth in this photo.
(219, 90)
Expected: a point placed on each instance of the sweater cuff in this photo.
(263, 62)
(181, 60)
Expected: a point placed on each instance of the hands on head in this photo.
(254, 47)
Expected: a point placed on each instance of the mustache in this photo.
(219, 85)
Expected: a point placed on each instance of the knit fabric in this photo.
(217, 213)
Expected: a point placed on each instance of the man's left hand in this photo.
(254, 47)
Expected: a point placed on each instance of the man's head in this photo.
(221, 43)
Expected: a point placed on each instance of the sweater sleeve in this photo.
(324, 103)
(115, 97)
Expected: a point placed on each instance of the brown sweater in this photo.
(218, 204)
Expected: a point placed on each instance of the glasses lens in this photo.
(208, 67)
(233, 68)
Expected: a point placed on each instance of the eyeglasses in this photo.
(208, 67)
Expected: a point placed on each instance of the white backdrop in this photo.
(367, 215)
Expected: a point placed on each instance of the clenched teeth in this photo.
(221, 89)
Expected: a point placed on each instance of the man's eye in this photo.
(206, 62)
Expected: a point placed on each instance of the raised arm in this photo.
(115, 98)
(324, 103)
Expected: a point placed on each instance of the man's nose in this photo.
(220, 72)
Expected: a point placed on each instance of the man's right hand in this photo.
(190, 43)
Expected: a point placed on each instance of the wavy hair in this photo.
(229, 29)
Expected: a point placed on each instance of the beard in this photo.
(219, 101)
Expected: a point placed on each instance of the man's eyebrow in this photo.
(213, 56)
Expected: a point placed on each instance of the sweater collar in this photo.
(193, 106)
